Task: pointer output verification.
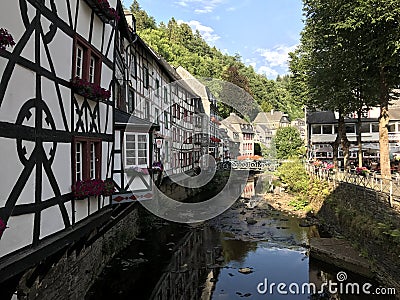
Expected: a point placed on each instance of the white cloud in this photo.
(200, 6)
(206, 32)
(278, 56)
(231, 8)
(267, 71)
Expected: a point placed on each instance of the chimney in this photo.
(272, 111)
(130, 19)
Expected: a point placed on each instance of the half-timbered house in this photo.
(56, 125)
(152, 103)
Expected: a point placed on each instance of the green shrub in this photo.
(293, 174)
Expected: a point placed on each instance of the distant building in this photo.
(322, 128)
(241, 133)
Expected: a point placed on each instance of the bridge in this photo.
(250, 165)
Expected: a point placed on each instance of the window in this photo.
(119, 96)
(146, 77)
(136, 149)
(92, 69)
(157, 88)
(147, 110)
(166, 120)
(131, 100)
(87, 60)
(133, 66)
(86, 158)
(327, 129)
(165, 94)
(375, 127)
(79, 62)
(365, 127)
(391, 127)
(157, 115)
(316, 129)
(350, 128)
(166, 149)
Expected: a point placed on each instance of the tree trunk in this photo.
(359, 142)
(335, 146)
(344, 140)
(383, 130)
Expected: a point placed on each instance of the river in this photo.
(251, 251)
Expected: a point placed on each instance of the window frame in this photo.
(136, 150)
(89, 52)
(86, 158)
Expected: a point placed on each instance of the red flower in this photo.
(5, 39)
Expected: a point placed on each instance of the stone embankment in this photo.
(363, 220)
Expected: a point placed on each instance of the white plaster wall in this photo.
(106, 76)
(81, 209)
(110, 120)
(117, 140)
(11, 168)
(18, 234)
(104, 159)
(83, 25)
(68, 207)
(97, 32)
(107, 37)
(49, 96)
(62, 10)
(104, 109)
(15, 95)
(61, 53)
(93, 204)
(61, 168)
(117, 161)
(51, 221)
(10, 16)
(117, 179)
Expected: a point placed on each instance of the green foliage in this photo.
(293, 174)
(180, 46)
(299, 203)
(288, 143)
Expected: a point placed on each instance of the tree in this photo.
(288, 142)
(143, 20)
(349, 59)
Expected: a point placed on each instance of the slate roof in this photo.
(268, 117)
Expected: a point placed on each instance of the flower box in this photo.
(89, 90)
(2, 226)
(93, 187)
(103, 9)
(157, 166)
(362, 171)
(6, 40)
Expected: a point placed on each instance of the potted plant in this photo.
(108, 188)
(2, 226)
(362, 171)
(6, 40)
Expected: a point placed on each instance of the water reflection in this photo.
(207, 261)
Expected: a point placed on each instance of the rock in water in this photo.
(251, 221)
(245, 270)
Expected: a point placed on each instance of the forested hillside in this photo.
(179, 45)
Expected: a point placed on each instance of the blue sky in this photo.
(262, 32)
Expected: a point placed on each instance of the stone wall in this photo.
(366, 218)
(78, 266)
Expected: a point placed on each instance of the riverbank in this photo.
(365, 222)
